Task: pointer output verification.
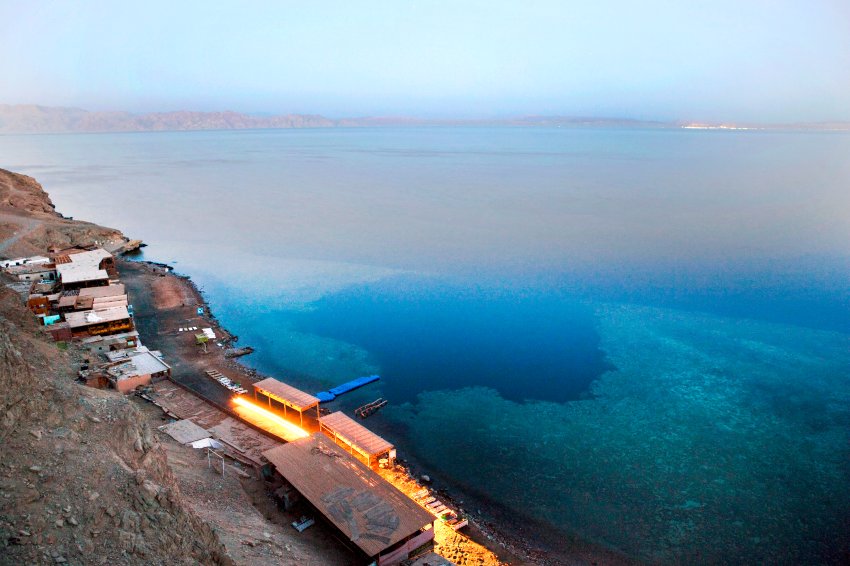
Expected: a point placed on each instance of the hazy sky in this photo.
(774, 60)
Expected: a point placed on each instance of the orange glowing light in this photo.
(291, 431)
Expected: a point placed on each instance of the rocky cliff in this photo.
(82, 477)
(29, 223)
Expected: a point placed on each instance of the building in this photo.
(33, 272)
(111, 343)
(384, 524)
(39, 304)
(110, 320)
(92, 298)
(360, 442)
(131, 369)
(85, 269)
(6, 263)
(281, 396)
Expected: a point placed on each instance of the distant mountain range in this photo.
(28, 118)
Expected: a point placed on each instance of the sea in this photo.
(637, 339)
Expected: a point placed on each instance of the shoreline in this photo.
(490, 529)
(152, 325)
(166, 300)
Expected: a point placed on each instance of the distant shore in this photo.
(32, 118)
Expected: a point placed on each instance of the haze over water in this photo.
(635, 337)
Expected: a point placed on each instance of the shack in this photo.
(360, 442)
(111, 320)
(39, 304)
(385, 525)
(135, 369)
(110, 343)
(286, 396)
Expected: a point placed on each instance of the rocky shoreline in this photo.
(29, 225)
(477, 541)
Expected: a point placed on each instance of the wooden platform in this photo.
(244, 441)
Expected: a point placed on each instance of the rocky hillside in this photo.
(25, 194)
(29, 223)
(81, 474)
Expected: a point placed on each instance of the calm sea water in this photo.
(639, 338)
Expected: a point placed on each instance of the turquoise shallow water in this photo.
(715, 440)
(639, 338)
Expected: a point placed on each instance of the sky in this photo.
(756, 60)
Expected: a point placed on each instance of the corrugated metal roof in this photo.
(361, 438)
(292, 397)
(360, 503)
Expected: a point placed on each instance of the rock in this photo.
(93, 495)
(36, 434)
(426, 478)
(60, 559)
(94, 419)
(73, 521)
(127, 540)
(35, 468)
(24, 533)
(130, 520)
(60, 523)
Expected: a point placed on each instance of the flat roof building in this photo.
(33, 272)
(102, 344)
(134, 369)
(384, 524)
(85, 269)
(4, 263)
(110, 320)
